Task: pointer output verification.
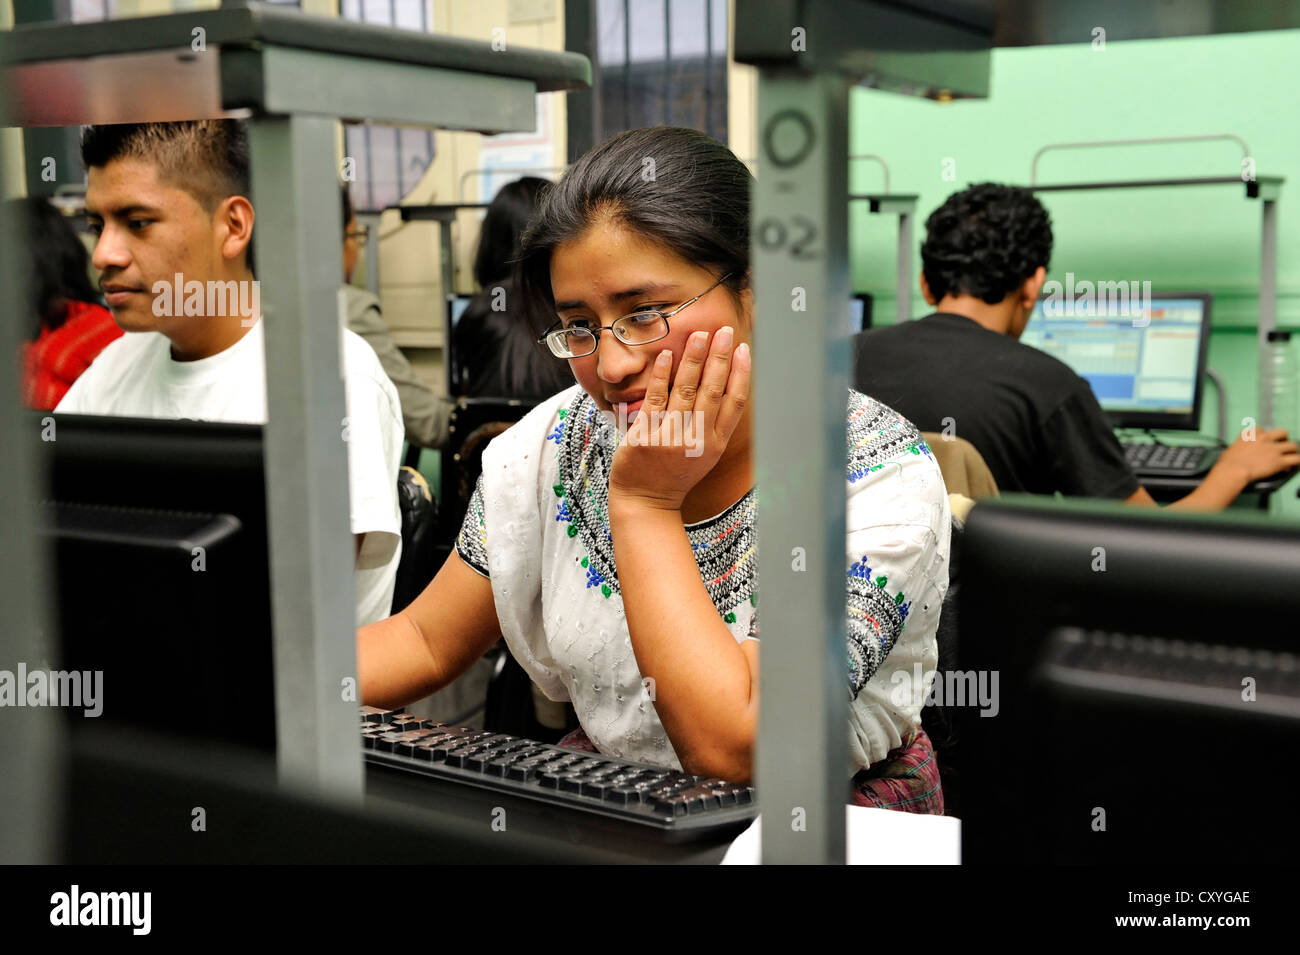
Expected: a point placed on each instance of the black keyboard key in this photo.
(457, 757)
(572, 783)
(623, 795)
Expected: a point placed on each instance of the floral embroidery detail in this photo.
(875, 621)
(724, 547)
(876, 435)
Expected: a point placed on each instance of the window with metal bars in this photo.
(660, 62)
(388, 161)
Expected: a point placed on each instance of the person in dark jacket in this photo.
(494, 344)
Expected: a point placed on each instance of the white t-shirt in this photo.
(537, 528)
(137, 377)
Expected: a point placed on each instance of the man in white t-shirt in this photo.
(168, 202)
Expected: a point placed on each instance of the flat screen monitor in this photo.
(1116, 670)
(1143, 356)
(859, 312)
(156, 533)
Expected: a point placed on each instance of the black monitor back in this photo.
(1148, 695)
(159, 575)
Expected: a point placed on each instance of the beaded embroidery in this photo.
(725, 546)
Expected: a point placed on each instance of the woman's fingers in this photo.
(717, 368)
(733, 403)
(656, 398)
(687, 384)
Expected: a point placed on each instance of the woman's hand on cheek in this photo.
(678, 437)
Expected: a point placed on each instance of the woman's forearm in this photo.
(394, 665)
(703, 680)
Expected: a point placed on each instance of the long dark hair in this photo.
(58, 264)
(501, 350)
(673, 185)
(504, 224)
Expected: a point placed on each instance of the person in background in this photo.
(424, 414)
(495, 345)
(1036, 423)
(70, 326)
(171, 199)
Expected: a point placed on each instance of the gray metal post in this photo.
(32, 746)
(372, 221)
(904, 304)
(800, 241)
(299, 248)
(1267, 303)
(444, 262)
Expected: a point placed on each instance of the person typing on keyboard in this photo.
(1037, 424)
(611, 537)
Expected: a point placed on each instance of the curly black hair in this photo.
(985, 241)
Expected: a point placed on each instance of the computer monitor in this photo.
(859, 312)
(159, 572)
(1136, 681)
(1143, 355)
(456, 305)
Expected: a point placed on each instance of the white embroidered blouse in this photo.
(537, 528)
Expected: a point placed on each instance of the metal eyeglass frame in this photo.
(595, 332)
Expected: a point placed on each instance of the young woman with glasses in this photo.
(621, 568)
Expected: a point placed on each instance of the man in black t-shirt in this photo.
(963, 371)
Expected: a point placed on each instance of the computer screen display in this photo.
(859, 312)
(456, 306)
(1144, 359)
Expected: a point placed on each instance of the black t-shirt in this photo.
(1036, 423)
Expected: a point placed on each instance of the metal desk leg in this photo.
(31, 738)
(800, 241)
(1267, 305)
(444, 259)
(299, 248)
(904, 266)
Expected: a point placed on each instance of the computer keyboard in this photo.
(1164, 460)
(670, 801)
(1178, 670)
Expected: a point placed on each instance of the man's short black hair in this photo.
(207, 158)
(985, 241)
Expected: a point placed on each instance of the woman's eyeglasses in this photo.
(638, 328)
(360, 235)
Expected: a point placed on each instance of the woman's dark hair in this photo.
(985, 241)
(58, 263)
(504, 224)
(676, 186)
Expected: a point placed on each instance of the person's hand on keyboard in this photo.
(1259, 454)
